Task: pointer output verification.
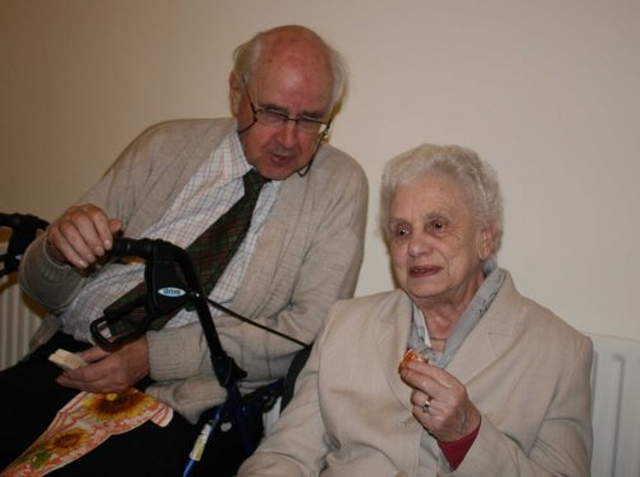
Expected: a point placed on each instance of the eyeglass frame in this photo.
(280, 119)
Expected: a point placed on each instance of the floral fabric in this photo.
(83, 424)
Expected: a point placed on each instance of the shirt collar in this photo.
(229, 158)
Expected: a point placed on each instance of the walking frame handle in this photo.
(24, 230)
(171, 283)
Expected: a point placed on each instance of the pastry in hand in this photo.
(411, 355)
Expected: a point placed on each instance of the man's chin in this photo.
(280, 172)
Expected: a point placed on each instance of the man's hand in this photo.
(109, 372)
(81, 235)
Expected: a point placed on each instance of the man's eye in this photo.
(308, 122)
(274, 116)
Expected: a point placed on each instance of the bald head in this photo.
(292, 48)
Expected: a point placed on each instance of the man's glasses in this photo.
(277, 119)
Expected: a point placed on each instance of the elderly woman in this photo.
(506, 389)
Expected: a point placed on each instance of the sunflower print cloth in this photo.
(83, 424)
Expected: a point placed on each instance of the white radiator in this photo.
(616, 407)
(18, 322)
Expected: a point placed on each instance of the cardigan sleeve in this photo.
(135, 189)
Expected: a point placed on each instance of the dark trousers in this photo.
(30, 399)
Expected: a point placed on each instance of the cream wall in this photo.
(547, 91)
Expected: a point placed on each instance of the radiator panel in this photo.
(18, 322)
(615, 407)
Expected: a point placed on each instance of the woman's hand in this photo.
(440, 401)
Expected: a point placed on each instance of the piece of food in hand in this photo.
(411, 355)
(67, 360)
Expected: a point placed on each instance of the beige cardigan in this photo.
(308, 256)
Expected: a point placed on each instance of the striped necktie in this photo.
(210, 253)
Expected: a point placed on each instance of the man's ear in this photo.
(235, 92)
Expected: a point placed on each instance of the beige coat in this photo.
(527, 371)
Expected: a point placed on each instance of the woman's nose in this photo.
(419, 244)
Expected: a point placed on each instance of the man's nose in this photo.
(288, 133)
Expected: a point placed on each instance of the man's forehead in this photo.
(293, 86)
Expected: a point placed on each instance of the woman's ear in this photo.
(485, 241)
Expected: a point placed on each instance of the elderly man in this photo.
(302, 252)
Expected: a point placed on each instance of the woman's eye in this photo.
(401, 231)
(437, 225)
